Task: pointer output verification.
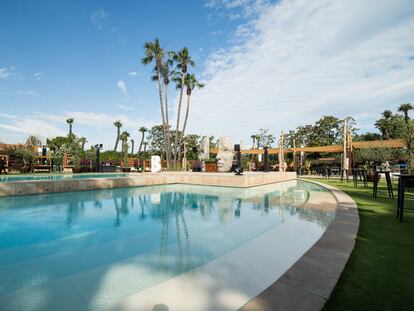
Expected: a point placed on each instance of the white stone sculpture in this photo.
(225, 155)
(155, 164)
(205, 149)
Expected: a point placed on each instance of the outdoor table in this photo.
(389, 184)
(360, 174)
(403, 180)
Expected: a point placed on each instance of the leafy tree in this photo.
(118, 125)
(368, 136)
(263, 138)
(192, 141)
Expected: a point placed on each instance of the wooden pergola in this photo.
(391, 143)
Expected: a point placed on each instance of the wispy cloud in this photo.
(98, 17)
(122, 87)
(97, 127)
(125, 107)
(300, 60)
(132, 73)
(39, 75)
(4, 73)
(27, 93)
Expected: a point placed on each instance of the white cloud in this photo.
(27, 93)
(98, 17)
(304, 59)
(125, 107)
(39, 75)
(96, 127)
(133, 73)
(122, 87)
(4, 73)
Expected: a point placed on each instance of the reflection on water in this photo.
(168, 229)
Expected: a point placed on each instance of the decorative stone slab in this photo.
(308, 284)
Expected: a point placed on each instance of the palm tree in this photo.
(191, 83)
(387, 114)
(118, 125)
(145, 146)
(404, 108)
(70, 122)
(143, 130)
(33, 141)
(154, 52)
(385, 127)
(165, 75)
(132, 146)
(182, 59)
(124, 138)
(83, 141)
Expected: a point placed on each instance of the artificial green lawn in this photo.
(380, 272)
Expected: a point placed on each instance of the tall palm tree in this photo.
(155, 53)
(132, 146)
(83, 141)
(387, 114)
(124, 139)
(118, 125)
(33, 141)
(190, 83)
(385, 127)
(145, 146)
(182, 59)
(166, 74)
(404, 108)
(143, 130)
(70, 122)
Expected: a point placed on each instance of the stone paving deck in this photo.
(307, 285)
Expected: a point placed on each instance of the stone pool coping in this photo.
(249, 179)
(308, 284)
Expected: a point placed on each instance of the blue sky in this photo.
(269, 64)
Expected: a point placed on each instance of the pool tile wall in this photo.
(249, 179)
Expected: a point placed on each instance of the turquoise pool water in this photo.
(6, 178)
(87, 250)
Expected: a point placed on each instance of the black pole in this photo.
(266, 160)
(97, 163)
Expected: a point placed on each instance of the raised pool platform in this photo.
(248, 179)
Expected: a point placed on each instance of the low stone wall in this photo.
(249, 179)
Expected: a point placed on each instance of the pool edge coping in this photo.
(308, 284)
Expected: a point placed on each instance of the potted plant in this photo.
(26, 156)
(210, 165)
(369, 166)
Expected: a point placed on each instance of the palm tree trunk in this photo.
(117, 138)
(162, 108)
(70, 130)
(132, 148)
(140, 144)
(167, 124)
(176, 147)
(184, 126)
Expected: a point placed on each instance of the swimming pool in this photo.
(9, 178)
(89, 250)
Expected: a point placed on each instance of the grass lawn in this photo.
(380, 272)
